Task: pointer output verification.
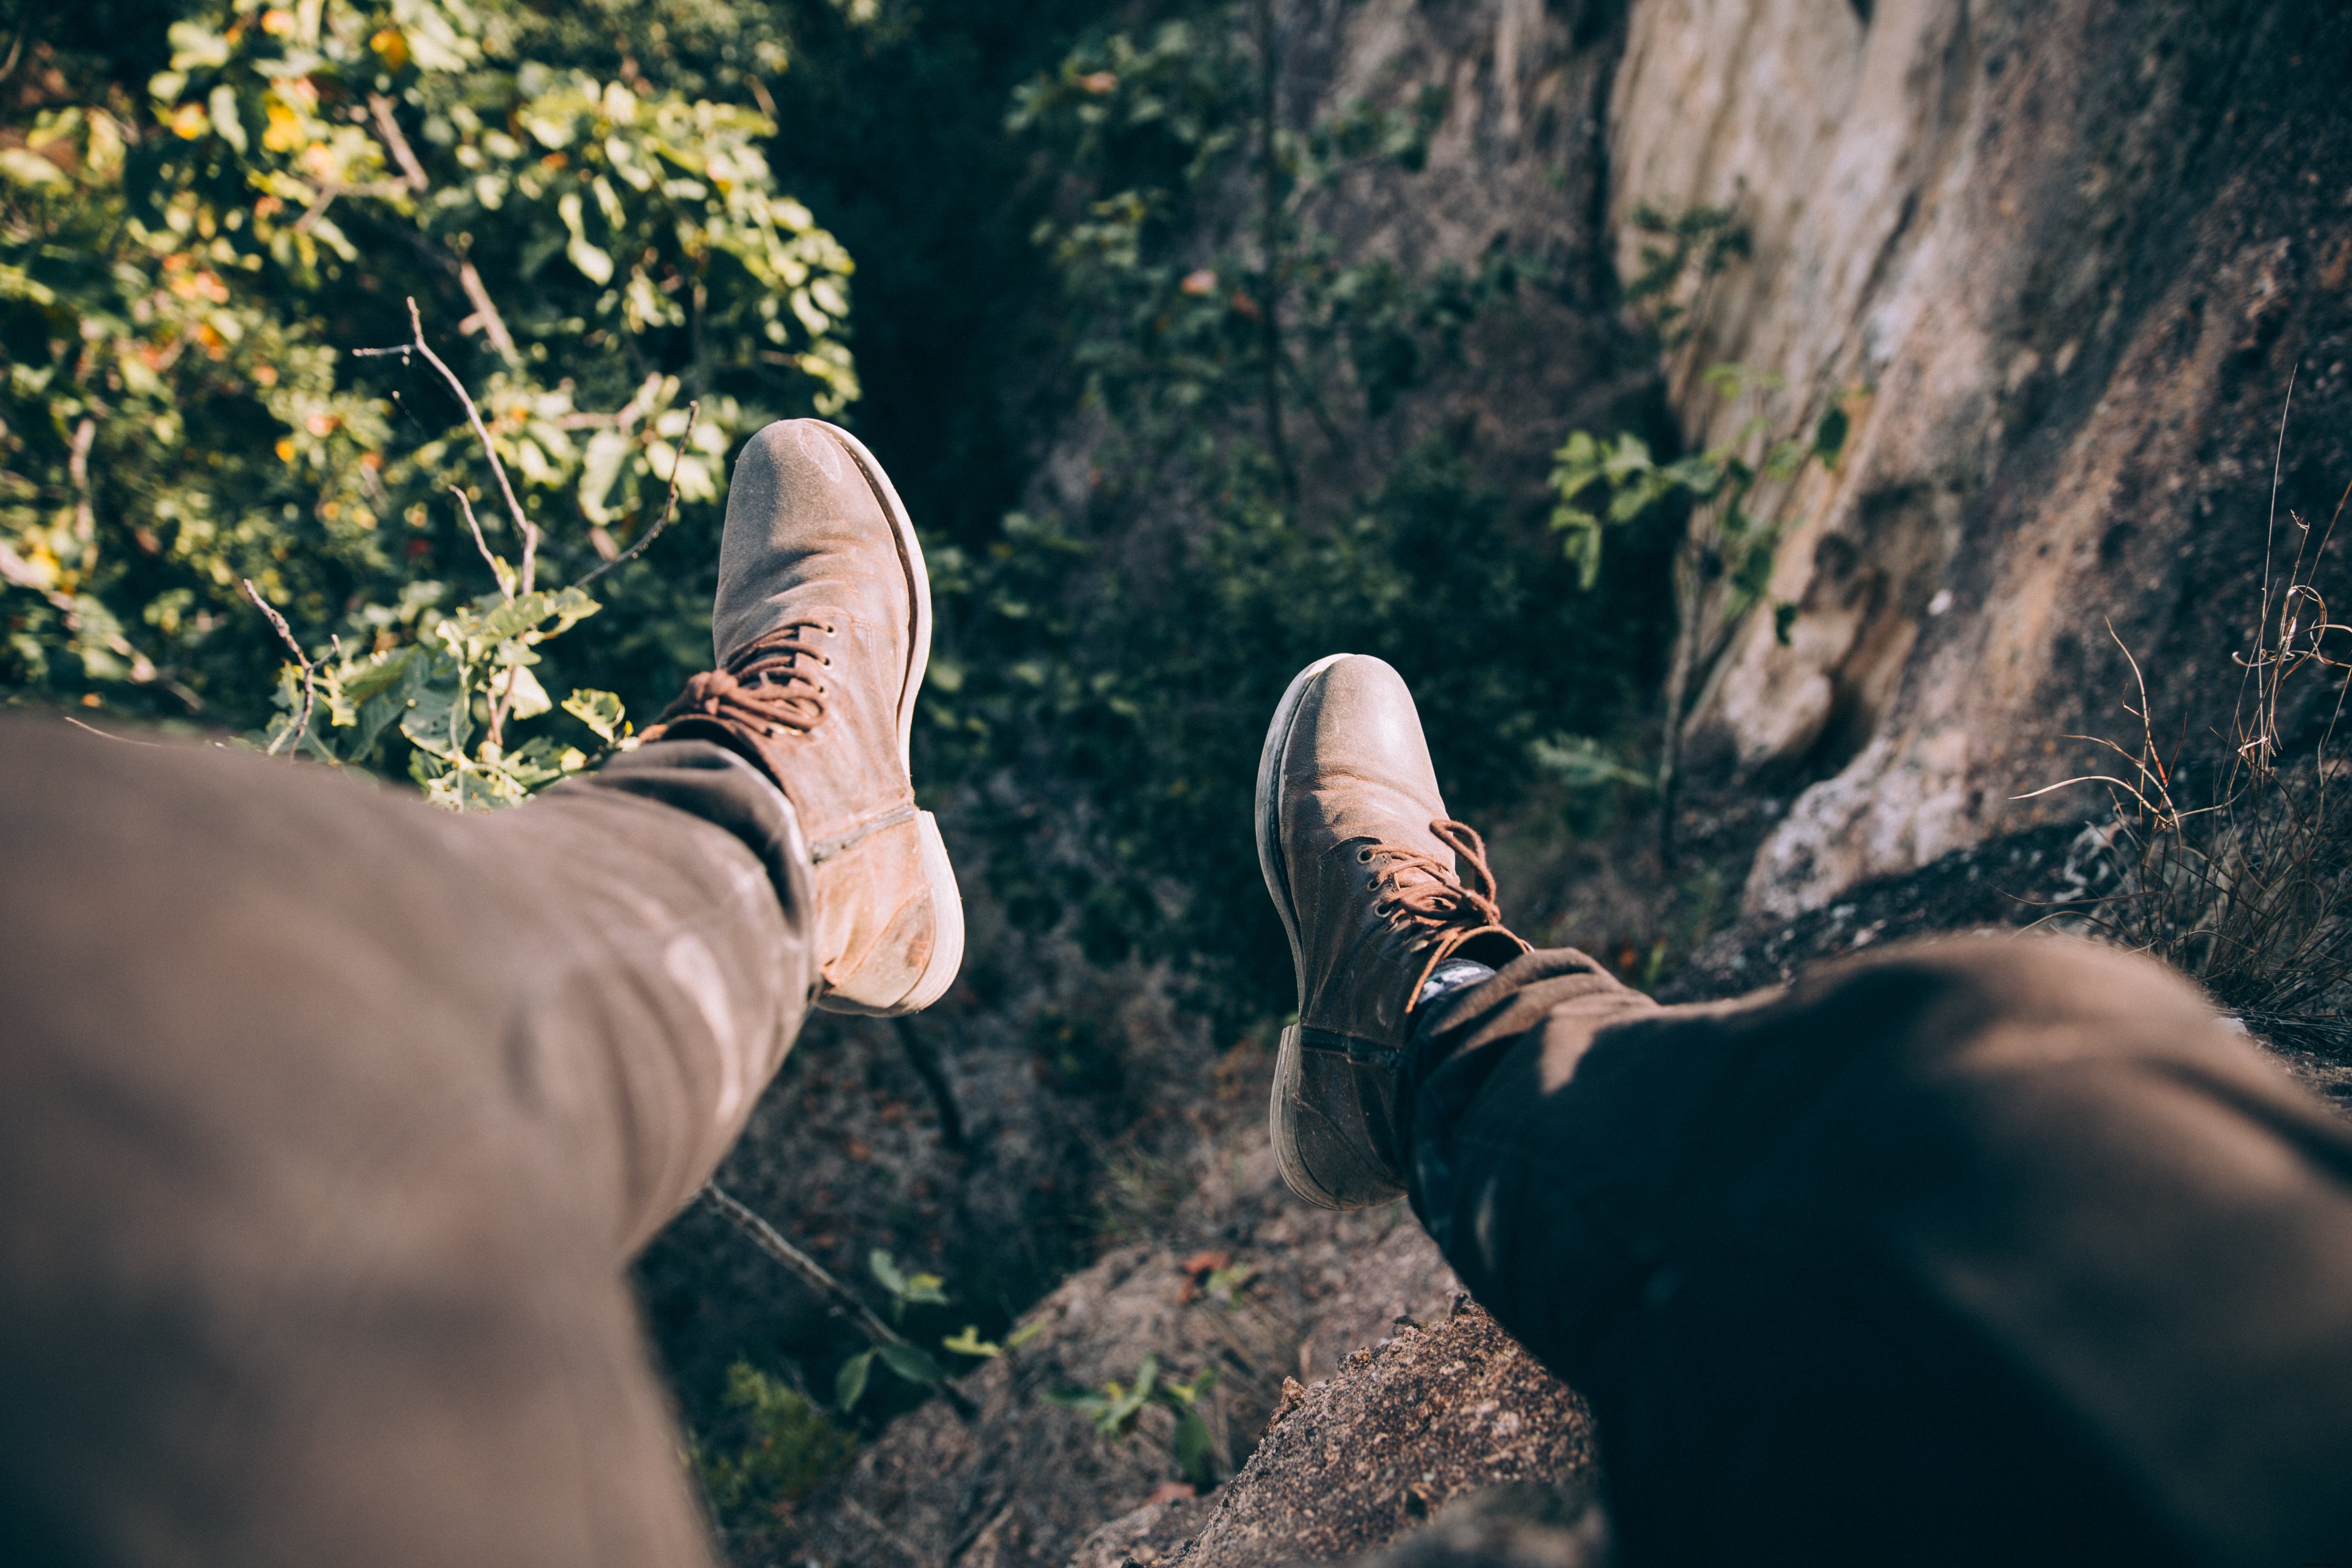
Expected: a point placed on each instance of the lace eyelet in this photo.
(1364, 856)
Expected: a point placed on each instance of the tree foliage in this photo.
(187, 260)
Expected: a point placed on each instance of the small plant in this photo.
(2237, 868)
(771, 1447)
(1724, 562)
(1682, 255)
(1115, 1408)
(910, 1361)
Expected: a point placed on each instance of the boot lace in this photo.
(1442, 902)
(770, 685)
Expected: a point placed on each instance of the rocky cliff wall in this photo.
(2064, 259)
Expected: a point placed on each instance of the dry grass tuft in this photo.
(2236, 867)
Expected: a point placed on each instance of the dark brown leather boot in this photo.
(821, 629)
(1360, 858)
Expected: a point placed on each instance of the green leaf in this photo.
(926, 1288)
(226, 123)
(1582, 544)
(1223, 1284)
(1582, 763)
(1828, 435)
(1728, 380)
(911, 1362)
(1025, 1334)
(29, 169)
(1699, 473)
(849, 1382)
(1126, 1404)
(1629, 459)
(1784, 458)
(437, 721)
(599, 710)
(526, 697)
(599, 469)
(969, 1342)
(1195, 1449)
(885, 1270)
(1173, 1394)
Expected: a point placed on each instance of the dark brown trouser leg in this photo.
(1971, 1252)
(327, 1121)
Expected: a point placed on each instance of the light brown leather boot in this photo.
(1360, 858)
(821, 629)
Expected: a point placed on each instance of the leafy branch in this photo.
(1723, 563)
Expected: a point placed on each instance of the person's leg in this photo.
(328, 1120)
(1987, 1251)
(1977, 1250)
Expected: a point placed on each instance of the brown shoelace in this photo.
(767, 687)
(1443, 902)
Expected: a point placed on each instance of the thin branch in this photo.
(523, 524)
(102, 734)
(494, 326)
(387, 128)
(291, 739)
(692, 411)
(766, 1238)
(2095, 778)
(925, 1062)
(78, 469)
(482, 545)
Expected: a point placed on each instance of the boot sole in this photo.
(939, 874)
(1281, 1116)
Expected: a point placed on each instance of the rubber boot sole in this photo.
(1289, 1066)
(939, 875)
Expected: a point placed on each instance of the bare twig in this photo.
(494, 326)
(766, 1237)
(290, 739)
(523, 524)
(669, 511)
(387, 129)
(927, 1066)
(102, 734)
(78, 469)
(481, 543)
(412, 173)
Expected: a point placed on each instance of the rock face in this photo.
(1435, 1414)
(1422, 1400)
(1238, 1276)
(2062, 258)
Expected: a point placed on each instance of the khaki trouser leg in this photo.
(327, 1123)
